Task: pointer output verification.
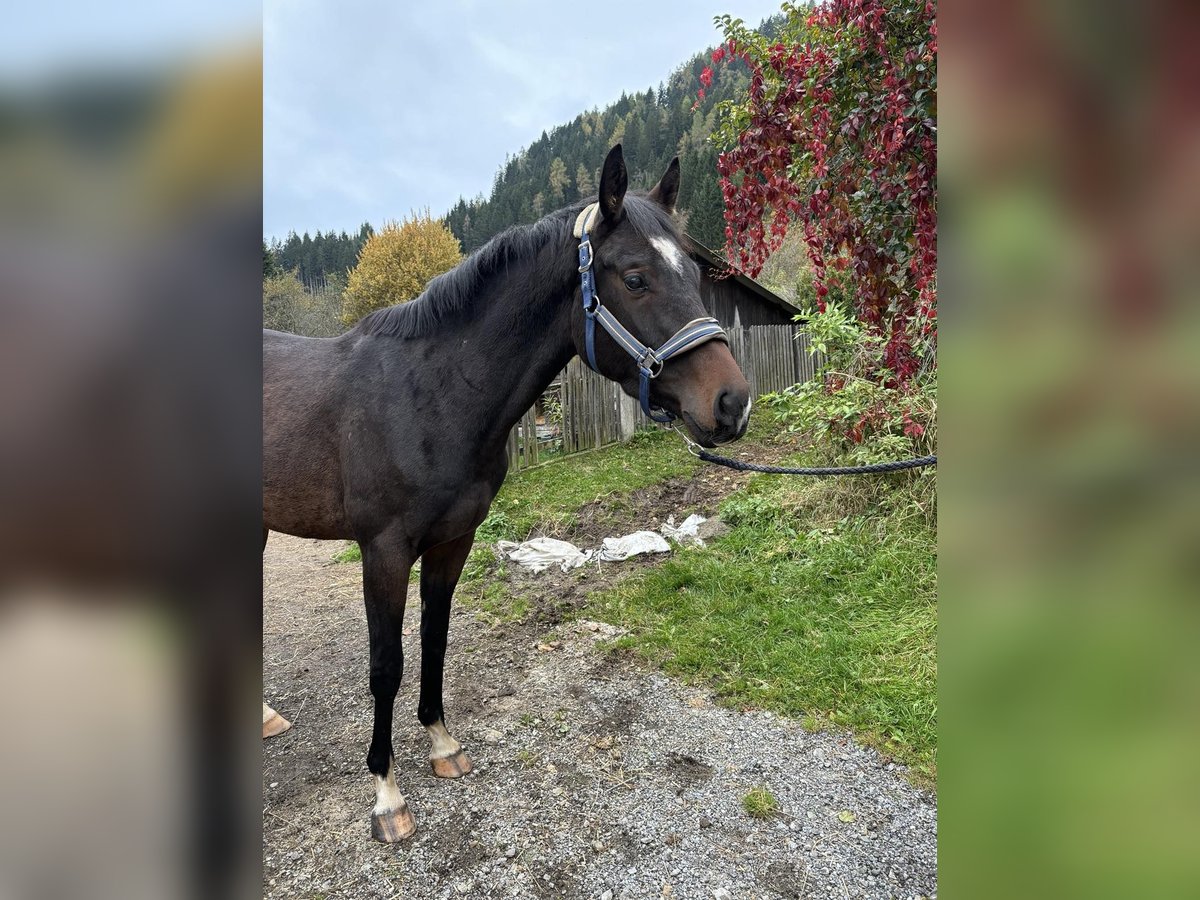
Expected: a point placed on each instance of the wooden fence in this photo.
(772, 357)
(595, 412)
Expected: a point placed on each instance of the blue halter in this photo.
(650, 362)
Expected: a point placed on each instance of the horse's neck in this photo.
(518, 343)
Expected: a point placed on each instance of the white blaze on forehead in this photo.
(670, 252)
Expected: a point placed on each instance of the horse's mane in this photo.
(450, 295)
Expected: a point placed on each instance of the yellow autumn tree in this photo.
(397, 262)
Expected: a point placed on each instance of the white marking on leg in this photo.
(387, 795)
(670, 251)
(443, 744)
(745, 416)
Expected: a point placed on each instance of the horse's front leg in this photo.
(386, 564)
(440, 569)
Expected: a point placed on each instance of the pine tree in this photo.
(583, 181)
(270, 264)
(706, 219)
(559, 180)
(632, 139)
(306, 266)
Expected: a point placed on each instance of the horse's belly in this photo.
(310, 507)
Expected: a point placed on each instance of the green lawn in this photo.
(548, 497)
(820, 603)
(833, 622)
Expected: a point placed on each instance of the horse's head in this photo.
(645, 277)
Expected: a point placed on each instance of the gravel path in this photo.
(595, 776)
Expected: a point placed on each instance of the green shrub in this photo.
(856, 412)
(746, 508)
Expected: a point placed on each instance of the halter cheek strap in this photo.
(650, 362)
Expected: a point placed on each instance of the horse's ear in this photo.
(613, 181)
(667, 189)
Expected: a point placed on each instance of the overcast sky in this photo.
(374, 108)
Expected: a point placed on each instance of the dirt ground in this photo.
(595, 777)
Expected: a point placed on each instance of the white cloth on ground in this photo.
(686, 532)
(617, 549)
(539, 554)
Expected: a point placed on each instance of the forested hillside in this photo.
(313, 259)
(563, 165)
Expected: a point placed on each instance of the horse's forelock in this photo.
(649, 220)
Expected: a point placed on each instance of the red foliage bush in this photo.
(838, 134)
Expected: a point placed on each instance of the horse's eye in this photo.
(635, 283)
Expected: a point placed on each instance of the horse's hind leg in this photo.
(440, 569)
(273, 723)
(386, 564)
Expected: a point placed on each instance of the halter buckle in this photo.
(585, 245)
(647, 363)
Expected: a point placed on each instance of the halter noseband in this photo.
(650, 362)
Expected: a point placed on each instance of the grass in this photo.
(548, 498)
(482, 561)
(760, 804)
(351, 553)
(494, 601)
(820, 603)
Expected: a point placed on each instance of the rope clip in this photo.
(692, 447)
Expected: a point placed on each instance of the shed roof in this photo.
(712, 260)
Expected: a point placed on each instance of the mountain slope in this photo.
(563, 164)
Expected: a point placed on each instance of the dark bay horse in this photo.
(394, 433)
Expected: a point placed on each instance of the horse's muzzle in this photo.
(731, 416)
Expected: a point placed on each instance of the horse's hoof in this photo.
(273, 723)
(394, 826)
(454, 766)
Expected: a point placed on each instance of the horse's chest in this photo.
(456, 514)
(435, 488)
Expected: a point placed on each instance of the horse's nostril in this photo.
(729, 406)
(731, 410)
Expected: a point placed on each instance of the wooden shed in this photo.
(735, 299)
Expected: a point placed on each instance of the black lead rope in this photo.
(817, 471)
